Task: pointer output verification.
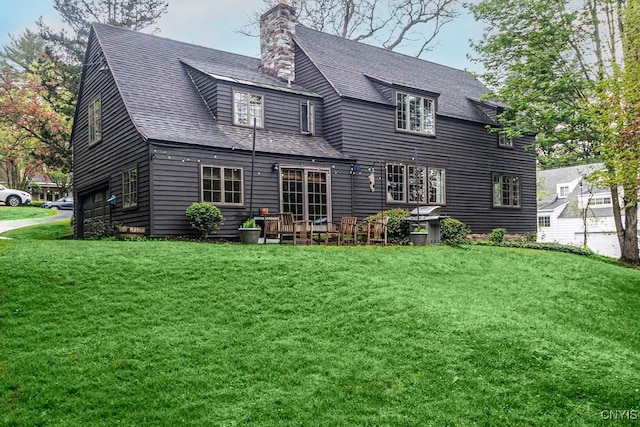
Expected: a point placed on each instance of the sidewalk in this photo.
(19, 223)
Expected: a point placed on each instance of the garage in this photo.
(95, 212)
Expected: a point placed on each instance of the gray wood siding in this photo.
(281, 109)
(121, 147)
(466, 150)
(207, 87)
(177, 184)
(308, 76)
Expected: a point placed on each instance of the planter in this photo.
(419, 239)
(249, 235)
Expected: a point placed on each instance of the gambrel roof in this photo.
(165, 105)
(350, 67)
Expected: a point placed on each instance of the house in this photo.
(341, 128)
(572, 210)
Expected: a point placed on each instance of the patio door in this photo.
(305, 193)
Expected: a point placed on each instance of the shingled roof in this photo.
(350, 66)
(164, 104)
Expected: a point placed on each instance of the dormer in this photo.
(564, 189)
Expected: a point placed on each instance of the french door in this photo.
(305, 193)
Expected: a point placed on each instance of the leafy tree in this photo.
(567, 71)
(387, 23)
(22, 51)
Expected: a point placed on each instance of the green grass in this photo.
(174, 333)
(49, 231)
(8, 213)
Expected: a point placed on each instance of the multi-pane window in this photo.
(395, 183)
(305, 193)
(564, 191)
(504, 140)
(307, 118)
(506, 191)
(420, 185)
(95, 121)
(436, 188)
(130, 188)
(246, 108)
(544, 221)
(221, 185)
(415, 114)
(601, 201)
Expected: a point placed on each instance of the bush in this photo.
(98, 229)
(453, 231)
(397, 229)
(531, 236)
(204, 217)
(497, 235)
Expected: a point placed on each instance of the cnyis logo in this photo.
(627, 414)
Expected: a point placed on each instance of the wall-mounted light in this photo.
(276, 166)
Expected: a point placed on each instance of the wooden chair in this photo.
(377, 231)
(345, 232)
(282, 226)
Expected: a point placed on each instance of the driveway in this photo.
(19, 223)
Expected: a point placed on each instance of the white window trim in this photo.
(504, 141)
(311, 118)
(124, 189)
(546, 219)
(222, 189)
(433, 115)
(305, 178)
(407, 198)
(92, 123)
(260, 124)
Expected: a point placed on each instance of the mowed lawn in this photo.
(9, 213)
(163, 333)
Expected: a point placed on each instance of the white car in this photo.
(14, 197)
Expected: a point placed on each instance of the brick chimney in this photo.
(277, 27)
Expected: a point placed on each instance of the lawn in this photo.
(24, 212)
(165, 333)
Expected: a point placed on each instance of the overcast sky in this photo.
(215, 23)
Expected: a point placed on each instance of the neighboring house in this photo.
(571, 209)
(161, 124)
(44, 190)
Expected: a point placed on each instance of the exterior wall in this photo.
(308, 76)
(207, 87)
(121, 147)
(601, 233)
(468, 153)
(177, 184)
(281, 109)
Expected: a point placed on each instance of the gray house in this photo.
(341, 128)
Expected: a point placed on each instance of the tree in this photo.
(389, 23)
(23, 51)
(565, 69)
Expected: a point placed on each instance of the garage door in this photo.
(95, 212)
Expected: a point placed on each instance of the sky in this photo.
(215, 24)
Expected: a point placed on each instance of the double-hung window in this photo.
(505, 141)
(415, 114)
(415, 184)
(95, 121)
(222, 185)
(308, 118)
(544, 221)
(247, 107)
(506, 191)
(130, 188)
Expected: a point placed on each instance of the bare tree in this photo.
(391, 24)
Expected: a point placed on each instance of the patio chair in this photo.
(345, 232)
(377, 231)
(283, 227)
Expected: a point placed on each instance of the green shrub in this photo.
(98, 229)
(250, 223)
(497, 235)
(204, 217)
(397, 229)
(531, 236)
(37, 204)
(453, 231)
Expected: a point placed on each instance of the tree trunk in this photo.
(627, 232)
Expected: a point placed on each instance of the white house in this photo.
(572, 211)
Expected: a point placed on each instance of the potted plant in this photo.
(419, 235)
(249, 231)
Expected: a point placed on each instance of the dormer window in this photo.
(308, 118)
(415, 114)
(246, 108)
(563, 191)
